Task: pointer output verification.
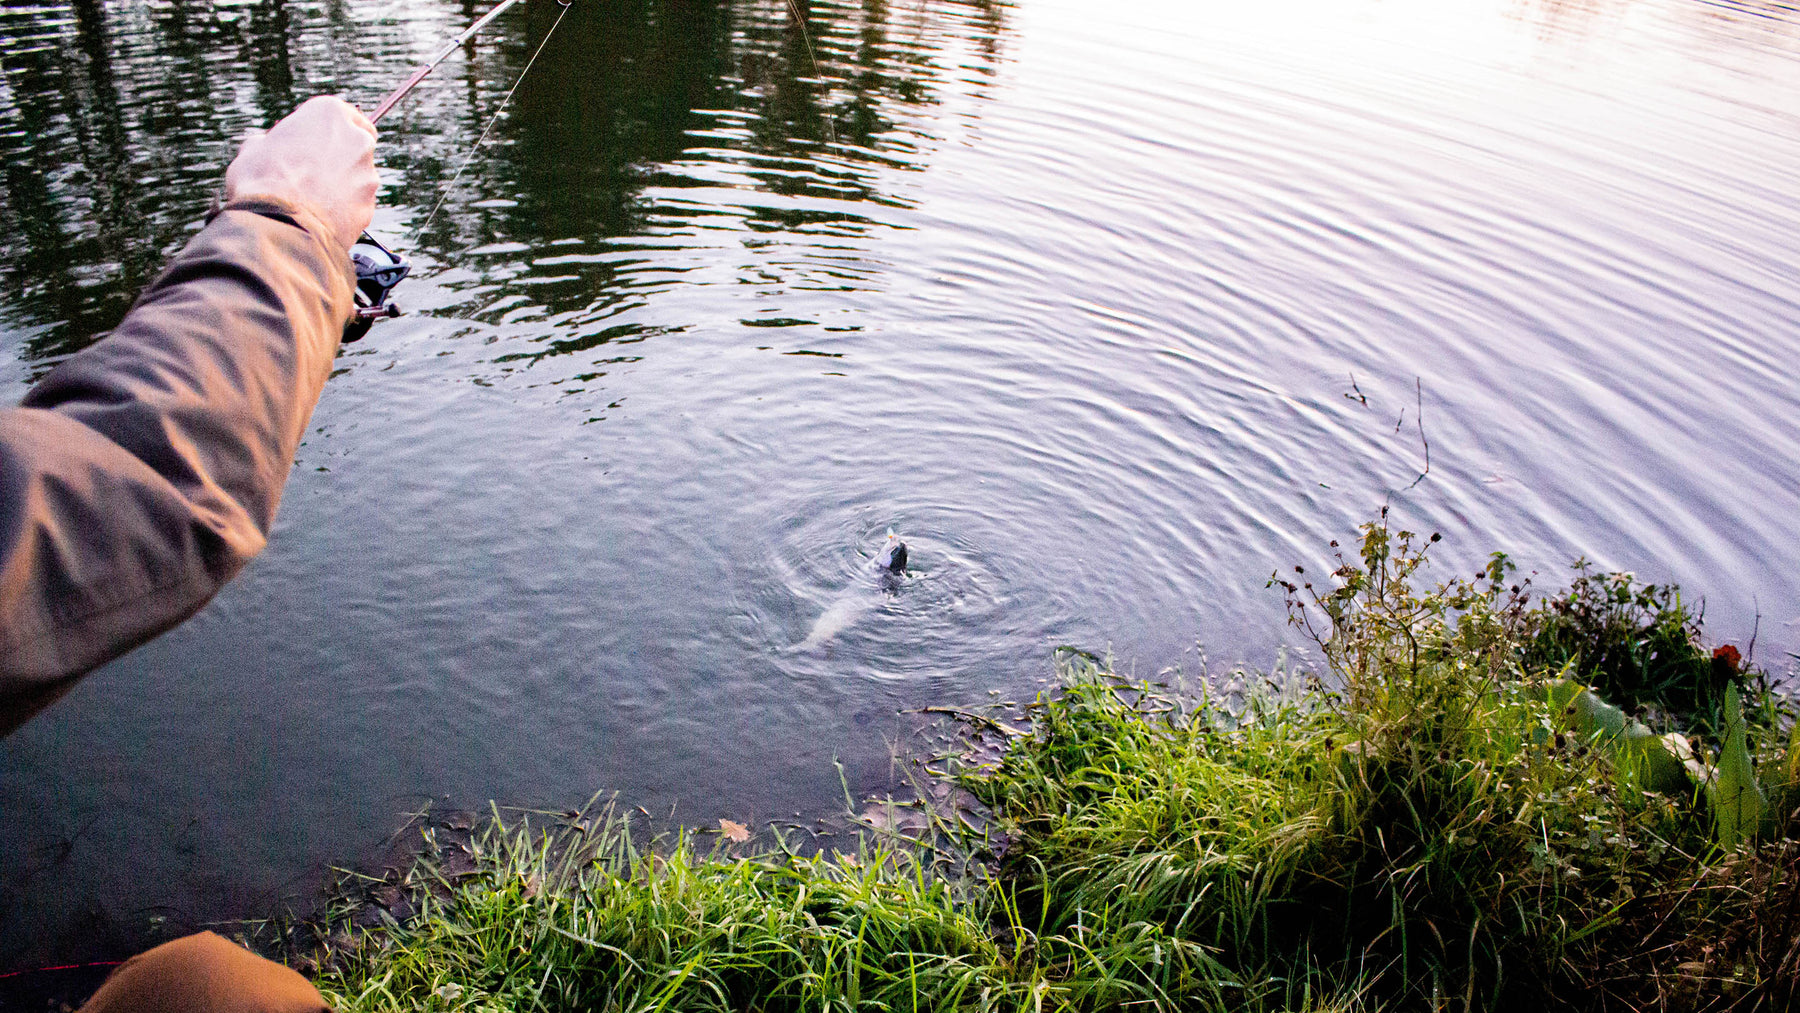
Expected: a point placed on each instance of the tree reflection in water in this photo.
(117, 120)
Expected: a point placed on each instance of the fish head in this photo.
(892, 557)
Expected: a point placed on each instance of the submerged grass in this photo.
(1449, 816)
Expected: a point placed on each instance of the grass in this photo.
(1450, 814)
(582, 919)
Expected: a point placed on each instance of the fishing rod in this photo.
(428, 66)
(379, 269)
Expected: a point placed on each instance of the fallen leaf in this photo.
(736, 833)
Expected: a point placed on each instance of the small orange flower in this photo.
(1728, 656)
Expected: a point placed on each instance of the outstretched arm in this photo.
(145, 471)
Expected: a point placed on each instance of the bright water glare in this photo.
(1108, 309)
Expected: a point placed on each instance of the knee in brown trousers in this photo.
(203, 973)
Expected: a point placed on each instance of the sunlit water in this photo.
(1109, 310)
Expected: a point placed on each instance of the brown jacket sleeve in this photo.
(144, 471)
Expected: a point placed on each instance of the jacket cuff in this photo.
(299, 216)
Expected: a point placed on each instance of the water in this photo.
(1109, 310)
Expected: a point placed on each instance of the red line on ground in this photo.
(63, 967)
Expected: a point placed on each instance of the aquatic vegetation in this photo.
(1453, 814)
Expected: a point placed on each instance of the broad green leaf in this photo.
(1658, 760)
(1737, 802)
(1793, 755)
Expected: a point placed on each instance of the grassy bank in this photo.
(1488, 799)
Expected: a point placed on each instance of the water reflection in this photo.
(755, 144)
(117, 123)
(68, 168)
(117, 120)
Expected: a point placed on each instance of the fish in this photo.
(892, 556)
(888, 567)
(839, 616)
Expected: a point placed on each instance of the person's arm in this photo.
(143, 472)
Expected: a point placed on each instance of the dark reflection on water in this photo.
(119, 119)
(1072, 296)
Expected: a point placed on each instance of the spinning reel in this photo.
(378, 270)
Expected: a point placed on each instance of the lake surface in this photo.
(1108, 309)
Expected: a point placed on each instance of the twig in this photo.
(1755, 628)
(1419, 391)
(970, 716)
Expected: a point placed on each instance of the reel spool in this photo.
(378, 270)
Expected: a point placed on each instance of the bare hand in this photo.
(320, 156)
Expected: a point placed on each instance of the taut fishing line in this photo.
(448, 187)
(379, 269)
(806, 37)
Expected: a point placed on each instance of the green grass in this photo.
(1442, 817)
(580, 918)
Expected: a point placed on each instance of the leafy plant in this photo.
(1737, 802)
(1636, 644)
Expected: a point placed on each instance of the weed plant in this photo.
(580, 918)
(1637, 645)
(1428, 822)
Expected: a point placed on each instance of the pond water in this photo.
(1108, 310)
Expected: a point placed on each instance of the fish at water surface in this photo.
(886, 569)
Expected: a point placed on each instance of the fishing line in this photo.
(379, 269)
(62, 967)
(806, 38)
(473, 151)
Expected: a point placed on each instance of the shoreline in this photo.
(1571, 783)
(1490, 800)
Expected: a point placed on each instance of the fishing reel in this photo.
(378, 270)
